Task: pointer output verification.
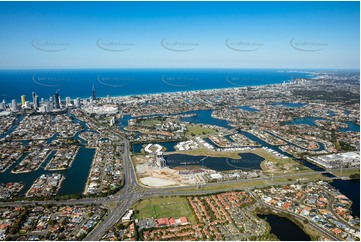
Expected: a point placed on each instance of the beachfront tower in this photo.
(23, 99)
(3, 105)
(33, 94)
(14, 105)
(94, 93)
(36, 102)
(67, 101)
(57, 100)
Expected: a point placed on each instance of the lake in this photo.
(285, 229)
(248, 161)
(351, 189)
(307, 120)
(204, 117)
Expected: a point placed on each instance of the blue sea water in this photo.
(120, 82)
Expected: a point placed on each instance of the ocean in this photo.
(75, 83)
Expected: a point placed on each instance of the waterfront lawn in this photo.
(282, 166)
(151, 122)
(198, 130)
(164, 207)
(346, 173)
(302, 177)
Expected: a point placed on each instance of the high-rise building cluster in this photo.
(40, 104)
(44, 105)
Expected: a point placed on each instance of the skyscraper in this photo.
(3, 105)
(14, 105)
(33, 94)
(36, 102)
(48, 106)
(27, 105)
(77, 102)
(94, 93)
(57, 100)
(67, 101)
(23, 99)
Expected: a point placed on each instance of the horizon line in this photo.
(155, 68)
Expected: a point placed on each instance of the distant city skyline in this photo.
(294, 35)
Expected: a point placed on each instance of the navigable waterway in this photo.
(248, 161)
(12, 128)
(285, 229)
(75, 176)
(351, 189)
(205, 117)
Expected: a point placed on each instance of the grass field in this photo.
(164, 208)
(197, 130)
(346, 172)
(237, 186)
(305, 177)
(150, 122)
(280, 165)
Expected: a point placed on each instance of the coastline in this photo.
(191, 91)
(246, 73)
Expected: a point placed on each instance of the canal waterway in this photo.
(247, 108)
(307, 121)
(13, 127)
(285, 229)
(351, 189)
(205, 117)
(351, 127)
(289, 105)
(75, 176)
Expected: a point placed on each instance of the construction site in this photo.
(152, 170)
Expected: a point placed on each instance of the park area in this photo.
(164, 207)
(199, 130)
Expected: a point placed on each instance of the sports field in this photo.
(164, 208)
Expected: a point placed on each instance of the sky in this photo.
(300, 35)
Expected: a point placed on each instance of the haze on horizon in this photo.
(304, 35)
